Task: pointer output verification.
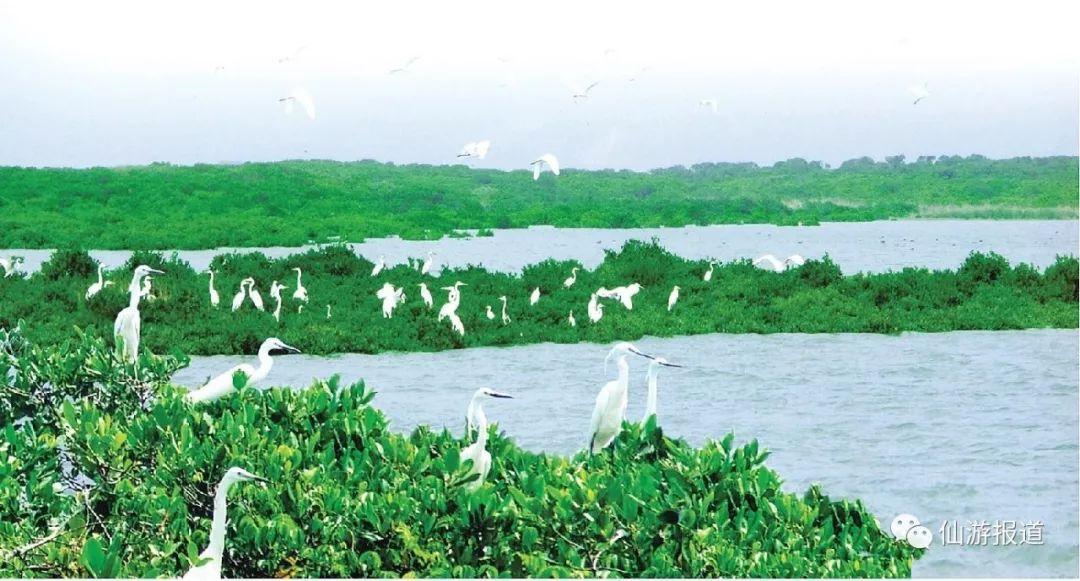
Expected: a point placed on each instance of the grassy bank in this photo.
(348, 497)
(985, 293)
(291, 203)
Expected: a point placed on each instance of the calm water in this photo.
(951, 426)
(855, 246)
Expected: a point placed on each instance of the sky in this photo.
(124, 83)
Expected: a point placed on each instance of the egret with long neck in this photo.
(611, 402)
(128, 325)
(215, 550)
(652, 396)
(215, 298)
(225, 383)
(477, 451)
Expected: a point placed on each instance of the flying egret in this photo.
(275, 293)
(919, 92)
(10, 264)
(673, 298)
(712, 104)
(535, 296)
(596, 310)
(238, 299)
(477, 149)
(794, 260)
(379, 266)
(425, 294)
(570, 280)
(299, 96)
(769, 262)
(215, 298)
(128, 324)
(215, 550)
(477, 451)
(708, 273)
(505, 317)
(426, 267)
(391, 298)
(256, 298)
(223, 384)
(571, 320)
(650, 381)
(604, 293)
(97, 286)
(611, 402)
(300, 294)
(547, 159)
(626, 295)
(578, 92)
(489, 313)
(404, 67)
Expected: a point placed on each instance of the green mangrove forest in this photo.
(291, 203)
(985, 293)
(111, 473)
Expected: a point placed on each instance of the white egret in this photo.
(570, 280)
(147, 286)
(275, 293)
(215, 550)
(535, 296)
(596, 310)
(611, 402)
(223, 384)
(453, 299)
(547, 159)
(604, 293)
(489, 313)
(426, 267)
(391, 298)
(673, 298)
(477, 451)
(769, 262)
(712, 104)
(238, 299)
(708, 273)
(425, 294)
(650, 382)
(919, 92)
(300, 294)
(215, 298)
(128, 324)
(582, 92)
(299, 96)
(97, 286)
(456, 324)
(626, 295)
(477, 149)
(571, 319)
(256, 298)
(379, 266)
(505, 317)
(327, 311)
(10, 264)
(794, 260)
(404, 67)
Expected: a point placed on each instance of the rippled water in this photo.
(949, 426)
(855, 246)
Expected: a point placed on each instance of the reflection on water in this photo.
(855, 246)
(947, 426)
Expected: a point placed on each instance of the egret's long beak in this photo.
(157, 271)
(636, 352)
(259, 479)
(501, 395)
(666, 364)
(289, 348)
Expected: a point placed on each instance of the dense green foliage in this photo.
(985, 293)
(351, 498)
(291, 203)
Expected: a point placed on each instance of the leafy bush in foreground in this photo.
(350, 498)
(985, 293)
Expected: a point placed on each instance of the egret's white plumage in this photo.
(534, 297)
(300, 294)
(650, 382)
(919, 92)
(794, 260)
(548, 160)
(299, 96)
(238, 299)
(453, 300)
(224, 384)
(570, 280)
(10, 264)
(456, 324)
(254, 295)
(489, 313)
(210, 570)
(708, 273)
(505, 317)
(477, 451)
(769, 262)
(571, 319)
(426, 267)
(128, 325)
(391, 298)
(476, 149)
(596, 310)
(673, 298)
(626, 294)
(275, 293)
(610, 409)
(425, 294)
(215, 298)
(97, 286)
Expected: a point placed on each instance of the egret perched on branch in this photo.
(596, 310)
(10, 264)
(708, 273)
(425, 294)
(505, 317)
(215, 551)
(238, 300)
(477, 451)
(97, 286)
(650, 381)
(275, 293)
(477, 149)
(300, 294)
(299, 96)
(128, 323)
(611, 402)
(673, 298)
(391, 298)
(224, 384)
(379, 266)
(426, 267)
(569, 282)
(547, 159)
(214, 297)
(256, 298)
(535, 296)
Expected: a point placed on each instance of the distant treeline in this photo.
(984, 293)
(291, 203)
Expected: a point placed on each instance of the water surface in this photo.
(947, 426)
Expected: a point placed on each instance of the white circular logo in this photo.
(919, 537)
(902, 524)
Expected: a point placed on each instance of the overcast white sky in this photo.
(136, 82)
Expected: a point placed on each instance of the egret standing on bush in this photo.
(673, 298)
(426, 267)
(477, 452)
(97, 286)
(611, 402)
(224, 384)
(505, 317)
(256, 298)
(238, 299)
(126, 329)
(214, 297)
(708, 273)
(215, 550)
(300, 294)
(569, 282)
(425, 294)
(275, 293)
(534, 297)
